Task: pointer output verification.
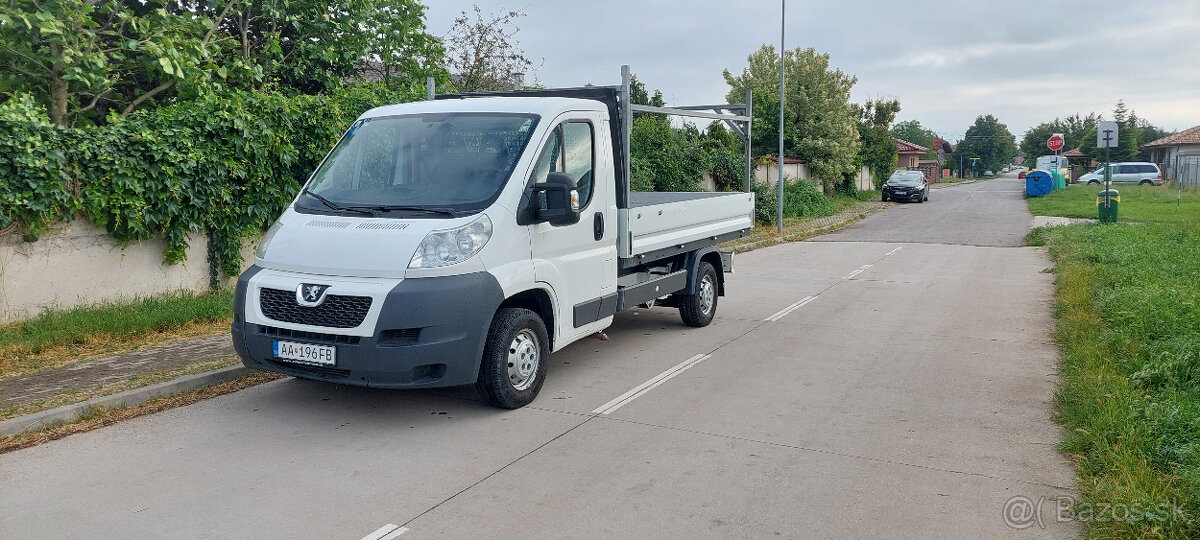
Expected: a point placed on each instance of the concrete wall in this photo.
(865, 180)
(80, 264)
(769, 173)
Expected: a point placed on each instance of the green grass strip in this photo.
(1128, 302)
(1143, 204)
(120, 320)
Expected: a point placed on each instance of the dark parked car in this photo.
(906, 186)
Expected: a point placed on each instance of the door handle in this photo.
(598, 226)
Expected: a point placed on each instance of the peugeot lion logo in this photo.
(311, 294)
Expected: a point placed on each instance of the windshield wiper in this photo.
(336, 206)
(401, 208)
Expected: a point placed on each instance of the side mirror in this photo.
(555, 201)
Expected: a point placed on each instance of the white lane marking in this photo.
(386, 532)
(894, 251)
(651, 384)
(788, 310)
(860, 270)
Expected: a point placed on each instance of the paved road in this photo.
(986, 213)
(908, 397)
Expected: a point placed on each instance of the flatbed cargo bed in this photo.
(656, 221)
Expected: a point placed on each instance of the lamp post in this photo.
(782, 24)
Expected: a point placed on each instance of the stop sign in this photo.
(1056, 143)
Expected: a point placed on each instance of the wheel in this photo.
(921, 198)
(1145, 182)
(883, 197)
(927, 196)
(699, 309)
(515, 359)
(1093, 182)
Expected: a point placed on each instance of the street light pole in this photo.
(782, 70)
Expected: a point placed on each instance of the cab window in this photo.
(570, 149)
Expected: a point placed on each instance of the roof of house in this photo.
(1074, 153)
(1187, 136)
(905, 147)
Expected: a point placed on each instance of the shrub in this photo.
(223, 164)
(801, 199)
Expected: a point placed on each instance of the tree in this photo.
(820, 126)
(663, 158)
(1074, 129)
(484, 54)
(74, 56)
(1132, 132)
(1126, 149)
(312, 46)
(85, 59)
(913, 132)
(1120, 112)
(990, 141)
(878, 150)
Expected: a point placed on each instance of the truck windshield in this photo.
(432, 165)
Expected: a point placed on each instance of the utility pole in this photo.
(782, 70)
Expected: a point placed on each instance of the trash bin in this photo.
(1109, 214)
(1056, 179)
(1038, 183)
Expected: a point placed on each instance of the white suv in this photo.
(1133, 172)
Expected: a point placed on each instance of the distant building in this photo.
(1178, 155)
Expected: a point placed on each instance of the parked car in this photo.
(1133, 172)
(989, 173)
(906, 185)
(1021, 175)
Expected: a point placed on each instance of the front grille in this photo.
(311, 337)
(336, 311)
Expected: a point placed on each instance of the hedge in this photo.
(224, 165)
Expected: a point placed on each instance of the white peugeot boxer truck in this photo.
(463, 239)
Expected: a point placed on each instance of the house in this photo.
(1081, 163)
(908, 155)
(1178, 155)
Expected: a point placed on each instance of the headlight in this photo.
(261, 250)
(444, 248)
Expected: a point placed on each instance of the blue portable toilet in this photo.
(1038, 183)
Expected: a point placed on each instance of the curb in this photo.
(948, 185)
(128, 398)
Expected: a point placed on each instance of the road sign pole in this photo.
(1107, 169)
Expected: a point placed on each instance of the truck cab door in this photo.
(578, 261)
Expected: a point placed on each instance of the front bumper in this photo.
(899, 194)
(430, 332)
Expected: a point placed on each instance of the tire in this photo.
(699, 309)
(1145, 183)
(883, 198)
(1093, 182)
(515, 359)
(920, 198)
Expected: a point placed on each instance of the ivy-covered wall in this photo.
(224, 165)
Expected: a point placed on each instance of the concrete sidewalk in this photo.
(95, 374)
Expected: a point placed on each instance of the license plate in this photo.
(305, 353)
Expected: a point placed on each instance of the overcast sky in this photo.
(947, 62)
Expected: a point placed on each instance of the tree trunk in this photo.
(58, 90)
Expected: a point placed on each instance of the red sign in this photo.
(1056, 143)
